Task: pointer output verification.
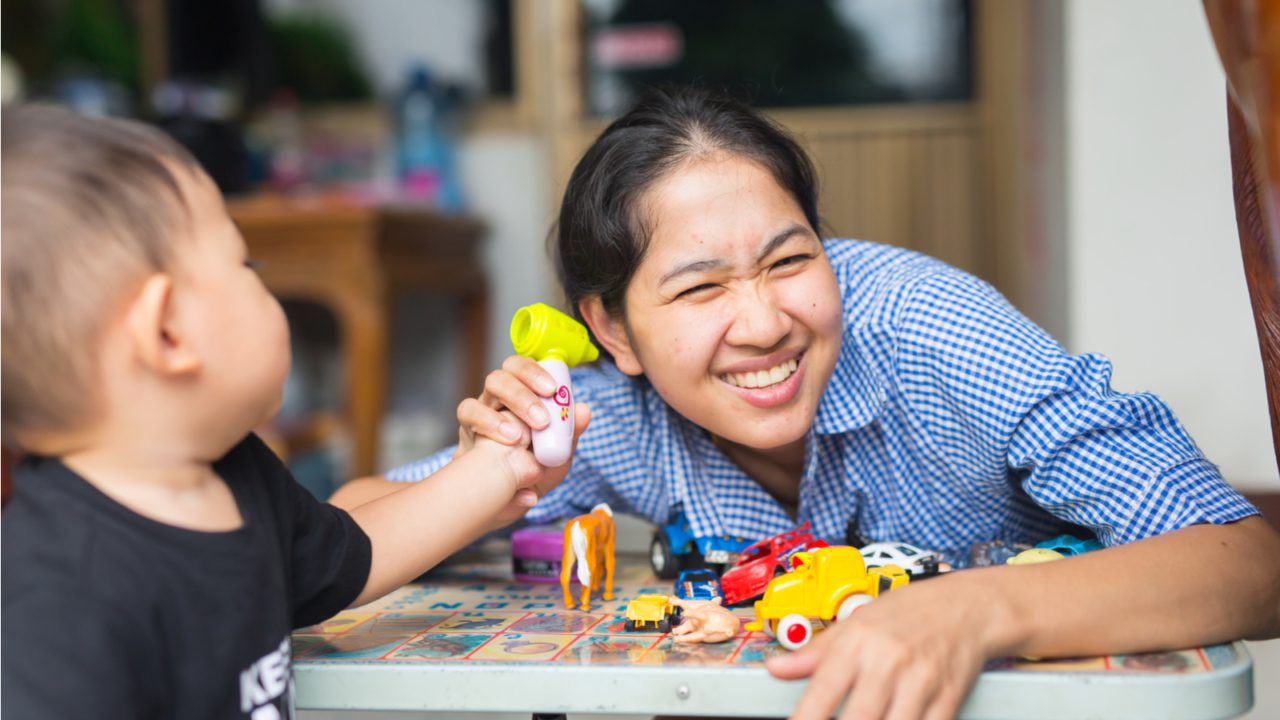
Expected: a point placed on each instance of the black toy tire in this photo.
(661, 559)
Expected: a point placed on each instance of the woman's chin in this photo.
(764, 435)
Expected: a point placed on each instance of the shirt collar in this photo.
(854, 394)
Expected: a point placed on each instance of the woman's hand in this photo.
(913, 653)
(506, 411)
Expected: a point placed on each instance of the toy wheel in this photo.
(629, 626)
(794, 631)
(664, 626)
(851, 603)
(661, 558)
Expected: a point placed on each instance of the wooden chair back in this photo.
(1247, 35)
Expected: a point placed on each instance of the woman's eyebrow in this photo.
(693, 267)
(779, 239)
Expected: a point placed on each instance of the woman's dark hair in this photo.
(600, 237)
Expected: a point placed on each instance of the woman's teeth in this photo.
(763, 378)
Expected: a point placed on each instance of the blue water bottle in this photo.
(424, 151)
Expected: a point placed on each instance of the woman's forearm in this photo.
(1190, 587)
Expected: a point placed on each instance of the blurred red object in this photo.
(6, 468)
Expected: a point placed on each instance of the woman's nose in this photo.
(759, 322)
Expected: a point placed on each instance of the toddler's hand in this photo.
(509, 408)
(531, 480)
(913, 653)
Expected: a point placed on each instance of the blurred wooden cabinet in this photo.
(355, 259)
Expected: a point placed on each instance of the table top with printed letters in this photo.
(469, 638)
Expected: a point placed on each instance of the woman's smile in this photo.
(770, 386)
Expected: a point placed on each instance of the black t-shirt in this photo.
(108, 614)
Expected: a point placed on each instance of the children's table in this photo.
(471, 639)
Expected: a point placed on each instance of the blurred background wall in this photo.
(1073, 154)
(1152, 259)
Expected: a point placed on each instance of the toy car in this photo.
(1034, 555)
(762, 562)
(699, 584)
(1068, 546)
(675, 548)
(917, 562)
(651, 611)
(829, 583)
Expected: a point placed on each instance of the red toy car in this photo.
(764, 561)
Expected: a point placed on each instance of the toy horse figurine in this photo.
(588, 540)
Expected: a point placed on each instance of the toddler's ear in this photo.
(611, 333)
(156, 340)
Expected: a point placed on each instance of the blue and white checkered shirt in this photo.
(950, 419)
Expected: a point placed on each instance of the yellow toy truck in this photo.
(827, 583)
(651, 611)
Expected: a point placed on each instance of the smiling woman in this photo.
(760, 376)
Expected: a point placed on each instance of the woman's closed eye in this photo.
(696, 290)
(790, 260)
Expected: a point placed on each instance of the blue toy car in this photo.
(1068, 546)
(675, 548)
(699, 584)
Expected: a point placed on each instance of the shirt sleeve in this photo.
(993, 390)
(64, 657)
(423, 468)
(327, 554)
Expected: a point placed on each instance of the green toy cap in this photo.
(539, 331)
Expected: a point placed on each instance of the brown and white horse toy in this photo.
(588, 543)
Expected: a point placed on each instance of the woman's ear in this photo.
(611, 333)
(157, 341)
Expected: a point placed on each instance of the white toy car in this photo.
(917, 562)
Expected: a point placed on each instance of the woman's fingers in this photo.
(946, 704)
(824, 693)
(870, 696)
(476, 418)
(801, 663)
(531, 374)
(503, 389)
(581, 418)
(832, 677)
(914, 690)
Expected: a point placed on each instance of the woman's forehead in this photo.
(717, 207)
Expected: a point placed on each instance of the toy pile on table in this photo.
(798, 578)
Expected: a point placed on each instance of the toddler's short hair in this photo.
(90, 207)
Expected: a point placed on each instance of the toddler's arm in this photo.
(414, 528)
(503, 413)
